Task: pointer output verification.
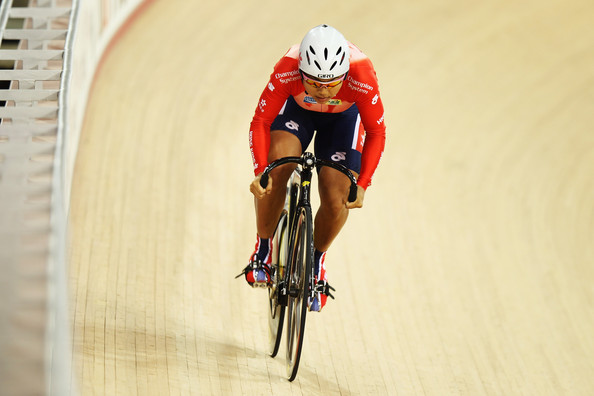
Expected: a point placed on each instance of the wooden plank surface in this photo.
(468, 272)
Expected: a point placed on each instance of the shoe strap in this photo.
(255, 264)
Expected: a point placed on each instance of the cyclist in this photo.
(328, 86)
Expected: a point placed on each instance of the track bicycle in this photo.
(292, 281)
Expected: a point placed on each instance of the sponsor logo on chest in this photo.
(331, 102)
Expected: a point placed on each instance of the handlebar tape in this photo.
(264, 180)
(353, 193)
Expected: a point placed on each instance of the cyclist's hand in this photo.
(257, 189)
(359, 201)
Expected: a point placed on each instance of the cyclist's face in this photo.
(321, 90)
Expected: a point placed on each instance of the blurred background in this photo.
(468, 272)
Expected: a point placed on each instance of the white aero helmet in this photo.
(324, 53)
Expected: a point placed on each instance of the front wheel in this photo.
(300, 265)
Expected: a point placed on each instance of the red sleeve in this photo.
(282, 82)
(362, 80)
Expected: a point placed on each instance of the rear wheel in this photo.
(276, 311)
(277, 293)
(298, 288)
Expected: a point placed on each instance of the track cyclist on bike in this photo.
(328, 86)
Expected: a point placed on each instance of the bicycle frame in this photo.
(289, 291)
(308, 162)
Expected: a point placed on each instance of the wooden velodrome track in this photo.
(470, 271)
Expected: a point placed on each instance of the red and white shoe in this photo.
(258, 272)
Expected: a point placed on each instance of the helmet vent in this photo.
(324, 52)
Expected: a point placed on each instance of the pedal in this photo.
(324, 287)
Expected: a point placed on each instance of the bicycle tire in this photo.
(276, 307)
(298, 288)
(277, 295)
